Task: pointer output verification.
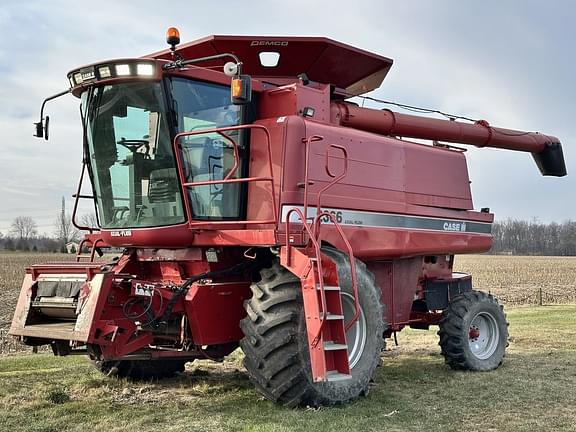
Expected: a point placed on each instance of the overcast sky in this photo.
(509, 62)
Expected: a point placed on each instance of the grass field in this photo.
(415, 391)
(533, 390)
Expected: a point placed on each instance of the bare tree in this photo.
(534, 238)
(89, 220)
(65, 229)
(24, 227)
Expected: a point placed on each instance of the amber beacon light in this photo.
(172, 36)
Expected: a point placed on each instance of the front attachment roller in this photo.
(474, 332)
(276, 346)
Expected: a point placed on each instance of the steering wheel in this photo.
(134, 145)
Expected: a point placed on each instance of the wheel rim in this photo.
(356, 335)
(483, 335)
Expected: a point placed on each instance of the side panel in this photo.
(398, 281)
(381, 169)
(215, 310)
(398, 199)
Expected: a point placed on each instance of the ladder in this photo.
(325, 325)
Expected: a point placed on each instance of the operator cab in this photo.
(130, 128)
(144, 118)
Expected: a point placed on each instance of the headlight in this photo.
(104, 72)
(145, 69)
(122, 69)
(78, 78)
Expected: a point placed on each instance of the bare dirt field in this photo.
(516, 280)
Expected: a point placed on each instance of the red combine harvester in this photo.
(259, 207)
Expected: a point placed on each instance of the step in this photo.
(331, 317)
(331, 346)
(329, 287)
(337, 376)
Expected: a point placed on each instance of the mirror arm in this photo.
(40, 125)
(181, 63)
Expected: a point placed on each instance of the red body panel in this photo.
(353, 70)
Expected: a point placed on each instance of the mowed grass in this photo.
(534, 390)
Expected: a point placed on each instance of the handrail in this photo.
(352, 265)
(309, 141)
(335, 179)
(92, 250)
(78, 195)
(314, 232)
(220, 131)
(317, 252)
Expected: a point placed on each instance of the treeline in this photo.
(518, 237)
(33, 244)
(23, 234)
(514, 237)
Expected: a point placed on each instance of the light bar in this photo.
(100, 72)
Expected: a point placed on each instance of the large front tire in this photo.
(474, 332)
(276, 346)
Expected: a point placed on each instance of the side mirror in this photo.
(42, 128)
(44, 123)
(39, 130)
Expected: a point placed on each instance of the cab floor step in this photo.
(331, 346)
(337, 376)
(329, 287)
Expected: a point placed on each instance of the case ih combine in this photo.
(258, 207)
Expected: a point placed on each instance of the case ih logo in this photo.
(268, 43)
(454, 226)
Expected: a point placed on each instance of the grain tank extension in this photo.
(257, 206)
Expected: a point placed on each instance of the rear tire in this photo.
(474, 332)
(139, 370)
(276, 346)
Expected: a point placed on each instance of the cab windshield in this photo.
(131, 159)
(130, 156)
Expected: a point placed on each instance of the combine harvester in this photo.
(259, 207)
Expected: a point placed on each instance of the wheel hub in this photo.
(356, 335)
(483, 335)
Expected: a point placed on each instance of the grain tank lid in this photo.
(323, 60)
